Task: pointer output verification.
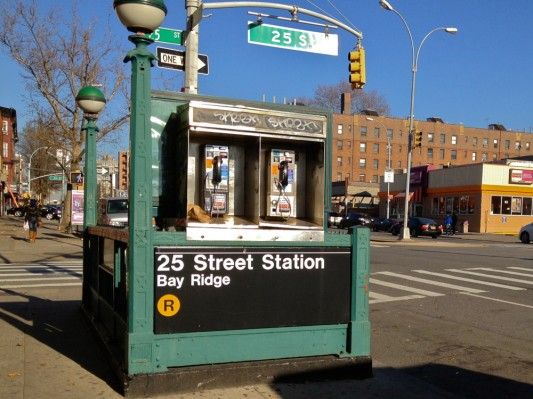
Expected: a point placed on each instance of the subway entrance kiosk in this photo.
(238, 278)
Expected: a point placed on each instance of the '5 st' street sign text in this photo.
(167, 35)
(293, 39)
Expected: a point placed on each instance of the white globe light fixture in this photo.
(90, 99)
(140, 16)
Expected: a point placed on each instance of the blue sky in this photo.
(481, 75)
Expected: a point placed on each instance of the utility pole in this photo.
(194, 15)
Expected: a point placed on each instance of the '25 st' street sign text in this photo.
(293, 39)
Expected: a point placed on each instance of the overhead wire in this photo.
(330, 15)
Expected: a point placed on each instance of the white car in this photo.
(526, 233)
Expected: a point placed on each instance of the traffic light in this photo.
(418, 139)
(357, 68)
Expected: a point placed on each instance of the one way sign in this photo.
(175, 59)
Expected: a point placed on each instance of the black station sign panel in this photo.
(214, 289)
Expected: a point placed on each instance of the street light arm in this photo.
(410, 37)
(415, 63)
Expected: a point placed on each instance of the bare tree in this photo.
(329, 97)
(59, 54)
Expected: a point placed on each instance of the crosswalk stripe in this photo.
(39, 285)
(39, 274)
(38, 279)
(380, 298)
(501, 271)
(66, 267)
(404, 288)
(425, 281)
(44, 264)
(491, 276)
(471, 280)
(527, 269)
(498, 300)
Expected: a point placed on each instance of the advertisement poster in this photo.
(76, 216)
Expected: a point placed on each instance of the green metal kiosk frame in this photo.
(170, 294)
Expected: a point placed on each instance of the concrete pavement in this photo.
(48, 350)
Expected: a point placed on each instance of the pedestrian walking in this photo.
(454, 222)
(33, 218)
(447, 224)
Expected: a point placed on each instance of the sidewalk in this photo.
(471, 238)
(49, 351)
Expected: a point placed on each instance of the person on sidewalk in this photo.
(447, 224)
(33, 217)
(454, 222)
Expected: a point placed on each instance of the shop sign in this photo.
(76, 216)
(215, 289)
(521, 176)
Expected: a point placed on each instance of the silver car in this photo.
(526, 233)
(113, 212)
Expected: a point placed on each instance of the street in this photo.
(451, 318)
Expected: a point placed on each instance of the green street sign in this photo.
(55, 178)
(167, 35)
(293, 39)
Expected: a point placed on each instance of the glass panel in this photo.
(516, 205)
(496, 205)
(449, 204)
(456, 205)
(526, 206)
(442, 207)
(463, 204)
(506, 205)
(471, 205)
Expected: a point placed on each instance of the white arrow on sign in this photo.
(103, 171)
(175, 59)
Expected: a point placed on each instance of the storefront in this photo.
(486, 197)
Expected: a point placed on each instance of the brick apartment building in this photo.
(360, 144)
(8, 159)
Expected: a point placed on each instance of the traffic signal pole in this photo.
(195, 10)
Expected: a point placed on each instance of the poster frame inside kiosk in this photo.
(244, 266)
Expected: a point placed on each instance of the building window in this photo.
(517, 145)
(484, 157)
(362, 147)
(430, 152)
(339, 129)
(339, 176)
(390, 134)
(466, 139)
(362, 177)
(485, 142)
(375, 179)
(511, 205)
(4, 127)
(430, 138)
(349, 160)
(339, 144)
(362, 163)
(495, 143)
(376, 132)
(528, 146)
(494, 157)
(375, 148)
(453, 154)
(474, 141)
(474, 155)
(339, 161)
(375, 163)
(5, 150)
(454, 139)
(363, 131)
(399, 164)
(347, 176)
(441, 153)
(443, 138)
(507, 144)
(348, 144)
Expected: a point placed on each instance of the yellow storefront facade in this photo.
(486, 197)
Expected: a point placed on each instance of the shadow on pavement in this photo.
(424, 381)
(58, 325)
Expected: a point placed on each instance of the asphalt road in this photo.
(437, 333)
(457, 315)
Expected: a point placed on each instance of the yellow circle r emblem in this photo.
(168, 305)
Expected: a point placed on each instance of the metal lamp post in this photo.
(29, 168)
(91, 100)
(414, 66)
(140, 17)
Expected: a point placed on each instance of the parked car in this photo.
(355, 219)
(50, 212)
(334, 219)
(113, 212)
(382, 224)
(526, 233)
(419, 226)
(17, 211)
